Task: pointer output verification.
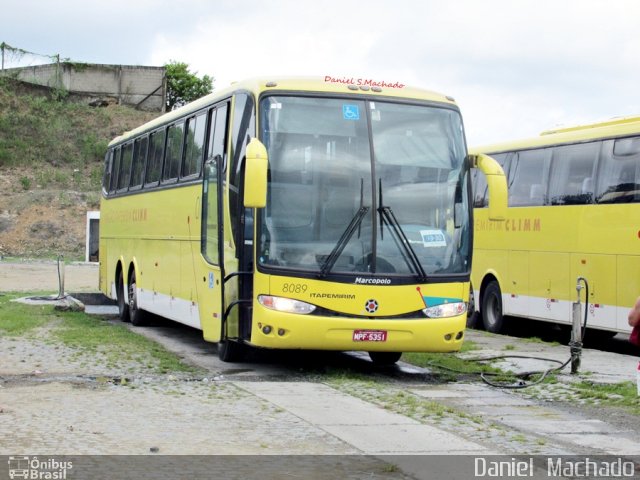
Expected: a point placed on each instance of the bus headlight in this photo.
(288, 305)
(446, 310)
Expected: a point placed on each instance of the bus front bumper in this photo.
(279, 330)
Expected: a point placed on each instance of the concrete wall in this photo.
(138, 86)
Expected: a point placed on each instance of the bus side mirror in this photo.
(496, 183)
(255, 175)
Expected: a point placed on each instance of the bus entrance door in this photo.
(212, 275)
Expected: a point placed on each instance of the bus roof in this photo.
(615, 127)
(327, 84)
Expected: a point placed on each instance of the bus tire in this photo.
(123, 308)
(472, 315)
(472, 319)
(385, 358)
(491, 308)
(137, 316)
(231, 351)
(598, 336)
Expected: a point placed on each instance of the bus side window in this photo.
(619, 180)
(125, 167)
(156, 154)
(572, 169)
(194, 145)
(479, 188)
(108, 165)
(527, 177)
(139, 161)
(115, 169)
(218, 132)
(175, 140)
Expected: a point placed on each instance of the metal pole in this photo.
(575, 344)
(61, 276)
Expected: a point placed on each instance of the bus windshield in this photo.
(364, 187)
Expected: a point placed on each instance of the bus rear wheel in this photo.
(123, 308)
(136, 315)
(385, 358)
(491, 308)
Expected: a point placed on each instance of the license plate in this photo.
(369, 335)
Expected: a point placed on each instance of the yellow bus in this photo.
(327, 213)
(573, 212)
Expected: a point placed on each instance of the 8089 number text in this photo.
(294, 288)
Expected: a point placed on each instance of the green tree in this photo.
(184, 86)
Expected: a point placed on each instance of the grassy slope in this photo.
(51, 159)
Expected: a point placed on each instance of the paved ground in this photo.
(56, 401)
(46, 275)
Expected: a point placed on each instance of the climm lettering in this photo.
(522, 225)
(510, 225)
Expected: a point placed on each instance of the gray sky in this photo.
(515, 67)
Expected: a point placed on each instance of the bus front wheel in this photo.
(472, 315)
(230, 351)
(385, 358)
(491, 308)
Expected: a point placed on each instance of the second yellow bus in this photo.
(573, 212)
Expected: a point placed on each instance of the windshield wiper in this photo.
(331, 260)
(342, 242)
(387, 217)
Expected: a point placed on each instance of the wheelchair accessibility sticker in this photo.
(350, 112)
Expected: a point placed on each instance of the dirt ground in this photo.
(44, 277)
(43, 222)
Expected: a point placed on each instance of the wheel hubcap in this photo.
(132, 295)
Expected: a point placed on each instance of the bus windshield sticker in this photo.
(433, 238)
(350, 112)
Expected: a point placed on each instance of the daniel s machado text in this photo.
(560, 467)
